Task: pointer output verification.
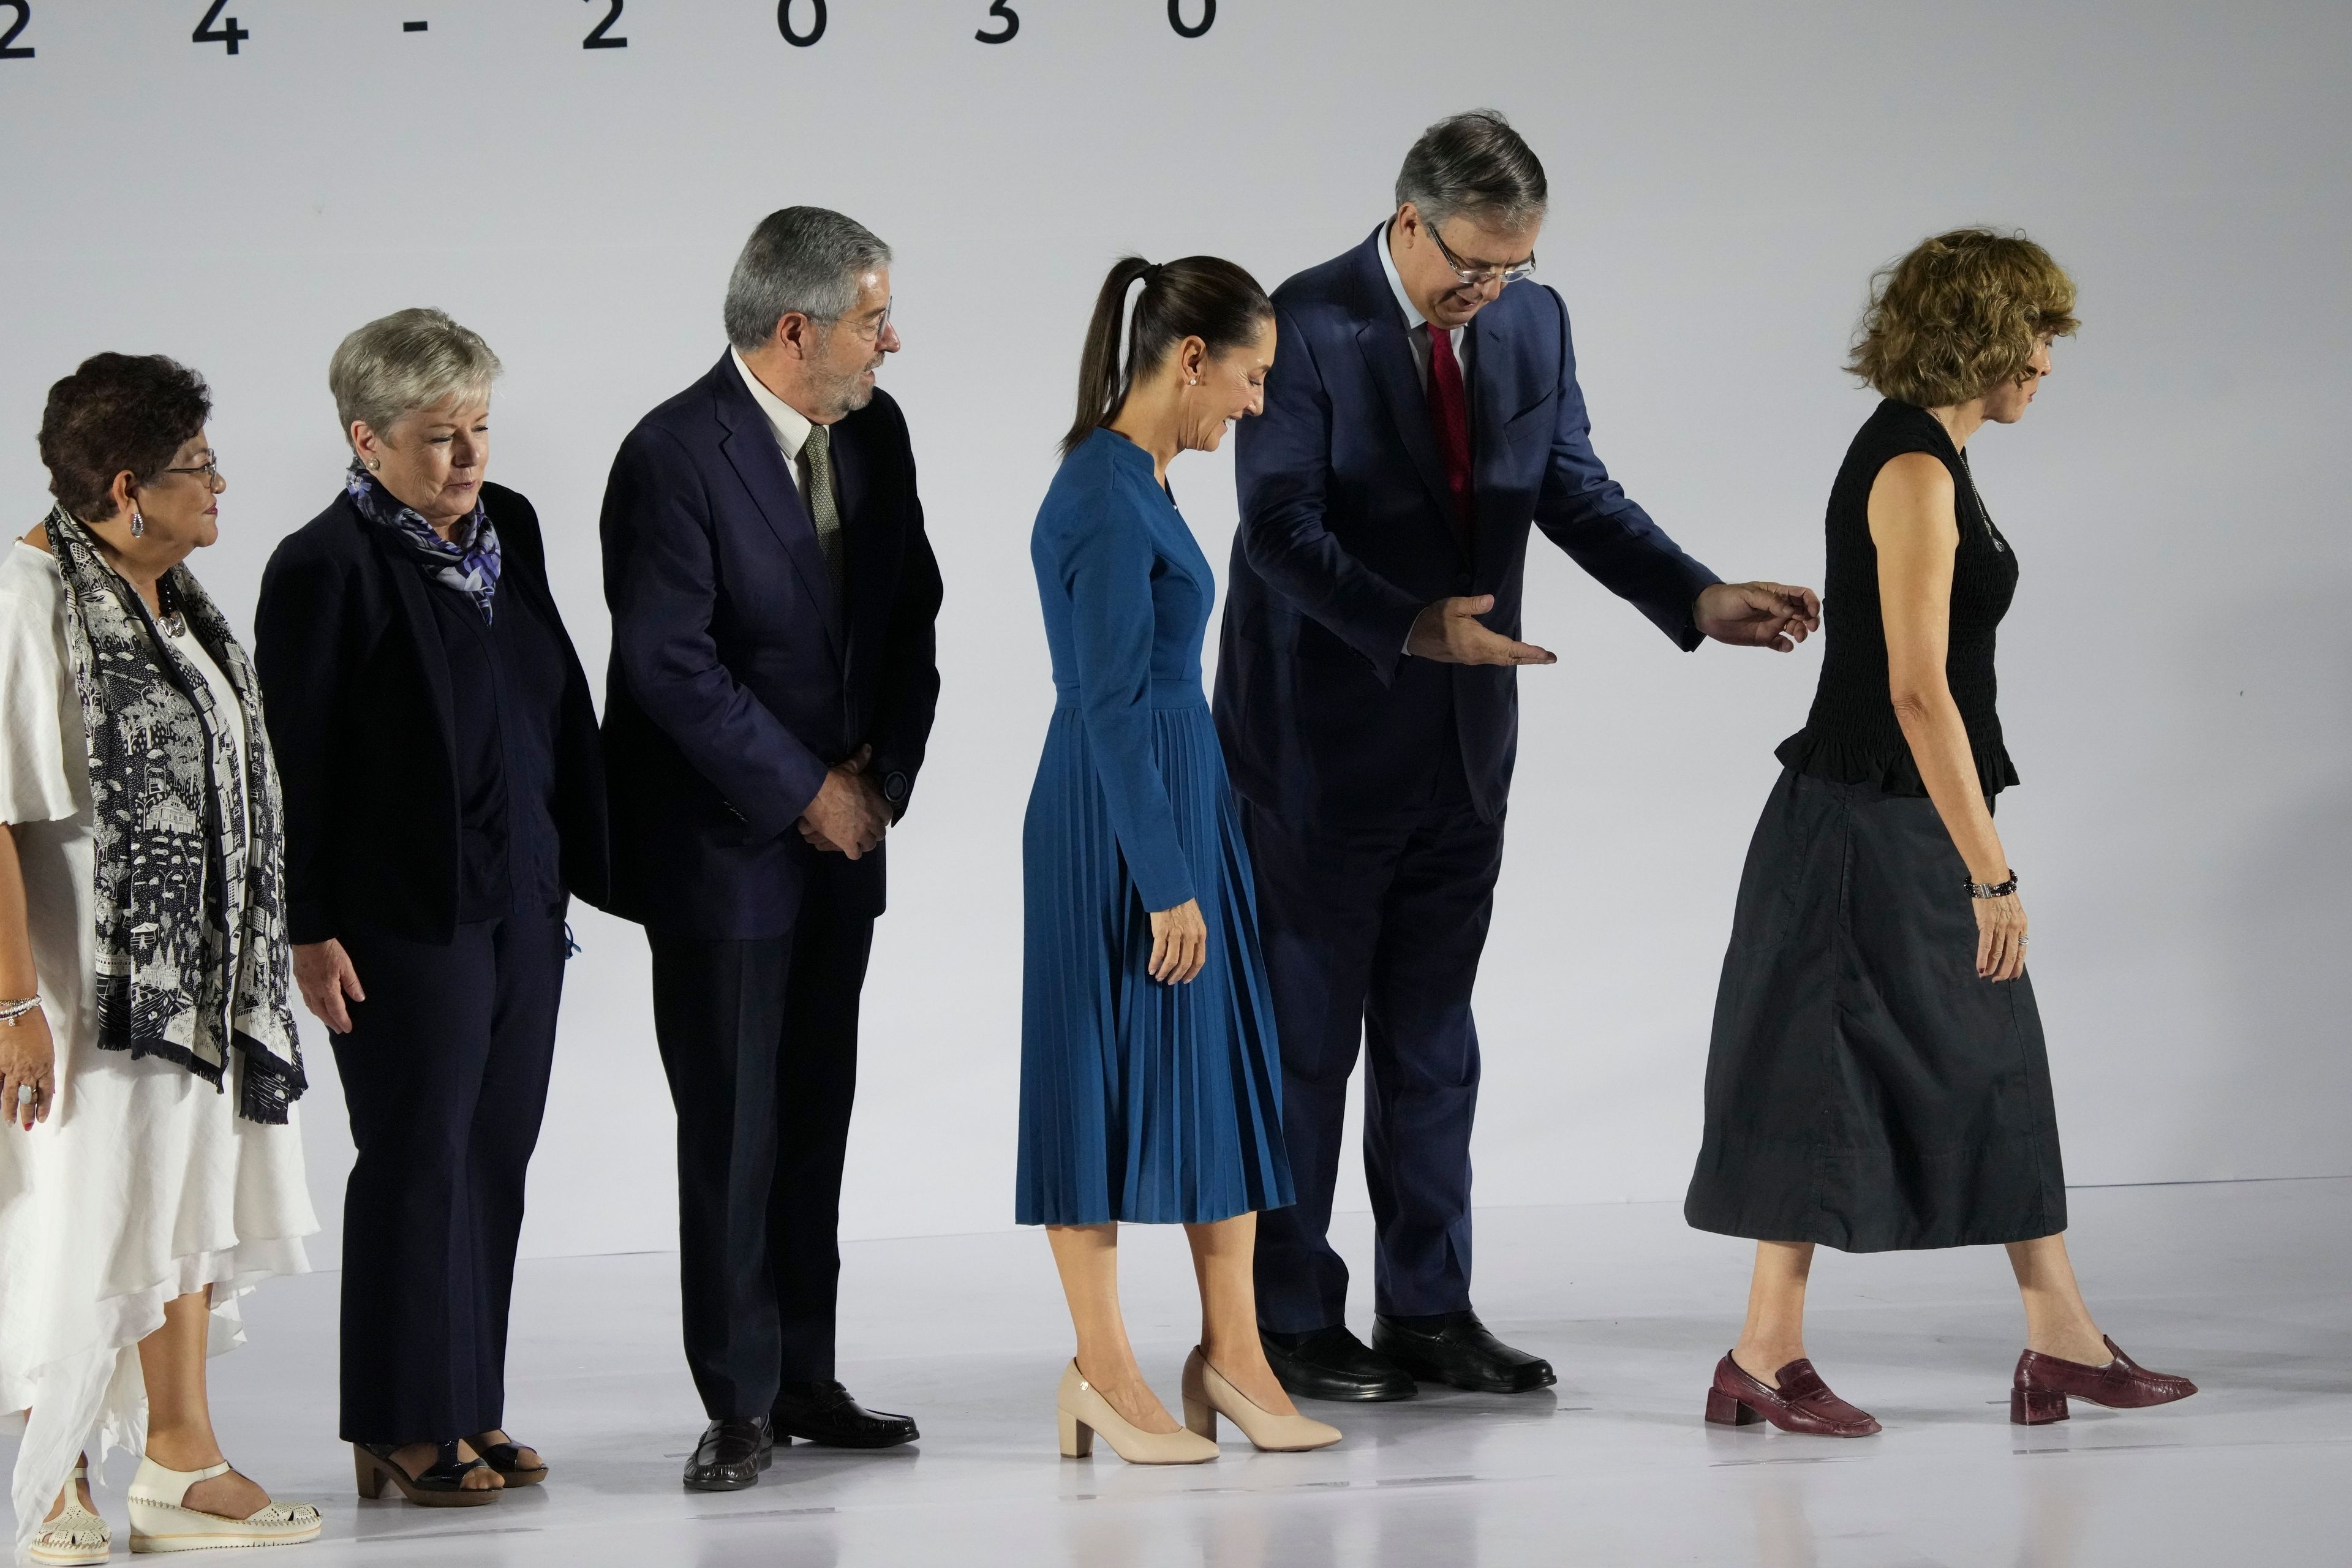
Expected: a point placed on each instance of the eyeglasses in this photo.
(209, 468)
(881, 325)
(1479, 276)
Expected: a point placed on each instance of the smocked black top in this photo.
(1851, 735)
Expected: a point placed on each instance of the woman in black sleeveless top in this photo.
(1877, 1078)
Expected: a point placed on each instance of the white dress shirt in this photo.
(790, 424)
(1416, 324)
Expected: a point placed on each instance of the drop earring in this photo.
(138, 525)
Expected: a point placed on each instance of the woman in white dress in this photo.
(151, 1172)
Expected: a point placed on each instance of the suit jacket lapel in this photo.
(1489, 470)
(751, 447)
(1388, 354)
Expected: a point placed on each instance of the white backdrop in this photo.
(1724, 178)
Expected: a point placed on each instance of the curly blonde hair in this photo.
(1963, 311)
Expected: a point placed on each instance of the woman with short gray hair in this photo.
(444, 801)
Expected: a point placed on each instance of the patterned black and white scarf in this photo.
(468, 563)
(193, 961)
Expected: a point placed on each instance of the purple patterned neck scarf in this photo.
(467, 564)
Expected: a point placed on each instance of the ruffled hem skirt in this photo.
(144, 1187)
(1142, 1102)
(1865, 1090)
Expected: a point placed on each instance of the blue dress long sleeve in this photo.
(1139, 1101)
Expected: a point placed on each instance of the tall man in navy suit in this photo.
(1423, 413)
(771, 688)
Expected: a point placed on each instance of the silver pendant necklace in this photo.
(169, 620)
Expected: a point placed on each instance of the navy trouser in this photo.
(444, 1075)
(760, 1041)
(1372, 934)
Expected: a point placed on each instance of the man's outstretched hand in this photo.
(1450, 632)
(1758, 614)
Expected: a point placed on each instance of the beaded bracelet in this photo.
(12, 1011)
(1994, 890)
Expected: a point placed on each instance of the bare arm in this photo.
(27, 1055)
(1914, 525)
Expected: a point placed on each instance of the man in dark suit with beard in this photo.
(771, 688)
(1422, 415)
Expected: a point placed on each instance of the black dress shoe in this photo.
(731, 1456)
(823, 1413)
(1332, 1364)
(1455, 1348)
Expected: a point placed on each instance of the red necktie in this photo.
(1449, 421)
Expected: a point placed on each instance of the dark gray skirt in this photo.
(1864, 1089)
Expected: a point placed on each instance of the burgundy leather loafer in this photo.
(2038, 1394)
(1802, 1402)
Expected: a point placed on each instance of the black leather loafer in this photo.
(731, 1456)
(1455, 1348)
(823, 1413)
(1332, 1364)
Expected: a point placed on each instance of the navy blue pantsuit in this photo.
(444, 1074)
(1375, 785)
(444, 799)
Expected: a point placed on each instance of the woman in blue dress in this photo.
(1150, 1084)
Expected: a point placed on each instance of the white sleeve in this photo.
(40, 712)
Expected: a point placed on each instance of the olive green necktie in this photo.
(818, 450)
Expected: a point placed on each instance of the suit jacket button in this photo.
(894, 788)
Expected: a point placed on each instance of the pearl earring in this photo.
(138, 525)
(376, 465)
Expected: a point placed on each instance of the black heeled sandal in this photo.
(440, 1485)
(507, 1459)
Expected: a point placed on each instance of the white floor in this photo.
(2247, 1287)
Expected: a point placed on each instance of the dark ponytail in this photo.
(1199, 297)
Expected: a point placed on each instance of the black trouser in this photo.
(444, 1075)
(760, 1041)
(1372, 934)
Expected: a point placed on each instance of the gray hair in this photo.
(1473, 164)
(799, 261)
(408, 360)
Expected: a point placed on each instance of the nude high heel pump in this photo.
(76, 1535)
(1208, 1395)
(1084, 1412)
(161, 1520)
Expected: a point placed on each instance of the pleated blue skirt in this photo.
(1142, 1102)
